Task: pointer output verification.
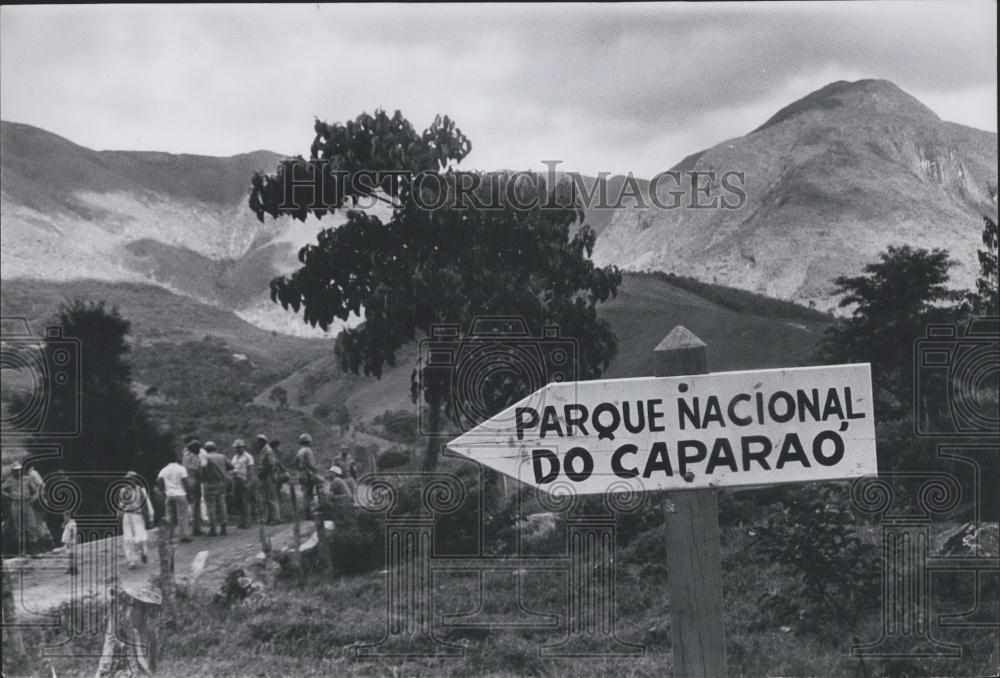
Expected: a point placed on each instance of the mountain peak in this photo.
(872, 96)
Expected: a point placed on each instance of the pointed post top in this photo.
(679, 338)
(681, 353)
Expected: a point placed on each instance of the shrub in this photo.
(322, 411)
(393, 458)
(647, 554)
(358, 543)
(813, 537)
(400, 426)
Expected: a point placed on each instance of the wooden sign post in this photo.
(694, 565)
(686, 432)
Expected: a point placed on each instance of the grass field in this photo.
(313, 627)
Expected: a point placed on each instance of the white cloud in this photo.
(625, 87)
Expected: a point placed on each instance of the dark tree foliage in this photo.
(369, 143)
(892, 303)
(986, 299)
(115, 432)
(508, 252)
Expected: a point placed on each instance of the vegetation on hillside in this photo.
(90, 416)
(802, 566)
(742, 301)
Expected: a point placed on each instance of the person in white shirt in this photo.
(171, 481)
(132, 502)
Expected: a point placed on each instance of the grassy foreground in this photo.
(311, 627)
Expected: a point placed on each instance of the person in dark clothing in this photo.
(308, 472)
(270, 468)
(192, 463)
(346, 462)
(213, 475)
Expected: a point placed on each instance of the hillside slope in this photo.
(157, 315)
(831, 180)
(646, 309)
(176, 221)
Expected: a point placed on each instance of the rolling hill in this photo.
(831, 180)
(185, 350)
(741, 333)
(160, 316)
(179, 222)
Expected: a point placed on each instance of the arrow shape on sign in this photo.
(722, 429)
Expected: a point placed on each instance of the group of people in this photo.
(255, 476)
(24, 517)
(190, 494)
(28, 528)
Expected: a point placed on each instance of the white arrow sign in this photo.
(670, 433)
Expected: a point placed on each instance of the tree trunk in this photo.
(434, 435)
(130, 635)
(296, 533)
(14, 642)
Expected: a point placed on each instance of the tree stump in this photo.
(130, 634)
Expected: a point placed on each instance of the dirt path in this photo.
(41, 584)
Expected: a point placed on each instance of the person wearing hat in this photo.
(132, 502)
(21, 524)
(337, 493)
(213, 485)
(337, 488)
(193, 463)
(242, 463)
(268, 477)
(32, 476)
(305, 464)
(346, 462)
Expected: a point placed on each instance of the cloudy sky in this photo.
(616, 88)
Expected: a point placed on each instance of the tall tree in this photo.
(115, 431)
(509, 250)
(891, 304)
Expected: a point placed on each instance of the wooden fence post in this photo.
(265, 540)
(165, 548)
(322, 538)
(693, 552)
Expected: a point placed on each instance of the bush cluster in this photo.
(812, 536)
